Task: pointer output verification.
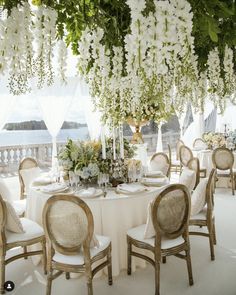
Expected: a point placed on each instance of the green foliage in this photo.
(214, 21)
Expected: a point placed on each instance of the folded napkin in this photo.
(154, 180)
(54, 187)
(154, 173)
(131, 187)
(42, 180)
(87, 192)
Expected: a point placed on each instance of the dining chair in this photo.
(174, 164)
(179, 143)
(185, 154)
(223, 161)
(170, 218)
(32, 234)
(206, 217)
(69, 228)
(160, 162)
(199, 143)
(25, 163)
(193, 164)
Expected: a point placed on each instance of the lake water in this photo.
(23, 137)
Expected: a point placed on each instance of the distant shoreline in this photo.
(39, 125)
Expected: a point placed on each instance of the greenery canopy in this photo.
(214, 22)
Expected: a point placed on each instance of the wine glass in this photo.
(139, 173)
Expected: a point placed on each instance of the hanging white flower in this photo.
(62, 60)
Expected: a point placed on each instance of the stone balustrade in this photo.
(10, 156)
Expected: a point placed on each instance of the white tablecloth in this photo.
(113, 216)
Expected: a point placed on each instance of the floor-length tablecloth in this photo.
(113, 216)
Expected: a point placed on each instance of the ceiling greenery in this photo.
(214, 22)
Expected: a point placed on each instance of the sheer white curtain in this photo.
(92, 116)
(54, 102)
(7, 102)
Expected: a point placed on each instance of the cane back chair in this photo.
(206, 217)
(161, 162)
(223, 161)
(26, 163)
(68, 225)
(193, 164)
(199, 143)
(170, 217)
(33, 234)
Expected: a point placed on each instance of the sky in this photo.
(26, 108)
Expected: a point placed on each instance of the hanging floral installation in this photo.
(27, 47)
(143, 59)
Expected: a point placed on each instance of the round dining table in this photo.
(113, 216)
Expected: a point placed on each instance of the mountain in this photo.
(40, 125)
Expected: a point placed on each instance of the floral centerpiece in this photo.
(82, 158)
(85, 159)
(214, 140)
(231, 140)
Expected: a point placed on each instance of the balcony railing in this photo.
(10, 156)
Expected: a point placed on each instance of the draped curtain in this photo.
(92, 116)
(54, 102)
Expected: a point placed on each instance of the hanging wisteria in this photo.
(28, 39)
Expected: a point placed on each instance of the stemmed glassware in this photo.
(103, 180)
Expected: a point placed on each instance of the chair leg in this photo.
(157, 277)
(25, 251)
(67, 275)
(232, 181)
(214, 233)
(211, 242)
(44, 256)
(90, 286)
(164, 259)
(49, 283)
(2, 275)
(109, 267)
(189, 266)
(129, 248)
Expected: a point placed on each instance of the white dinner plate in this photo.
(154, 181)
(54, 188)
(135, 188)
(81, 194)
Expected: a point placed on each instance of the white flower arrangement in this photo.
(158, 56)
(27, 45)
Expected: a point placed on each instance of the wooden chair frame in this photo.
(7, 246)
(53, 245)
(24, 165)
(198, 139)
(156, 250)
(182, 161)
(193, 164)
(209, 221)
(178, 146)
(166, 159)
(173, 167)
(230, 168)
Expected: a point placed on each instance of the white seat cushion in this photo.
(198, 198)
(79, 259)
(19, 206)
(31, 230)
(224, 172)
(201, 215)
(137, 233)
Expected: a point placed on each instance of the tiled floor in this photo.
(210, 278)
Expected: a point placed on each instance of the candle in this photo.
(121, 137)
(114, 143)
(103, 141)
